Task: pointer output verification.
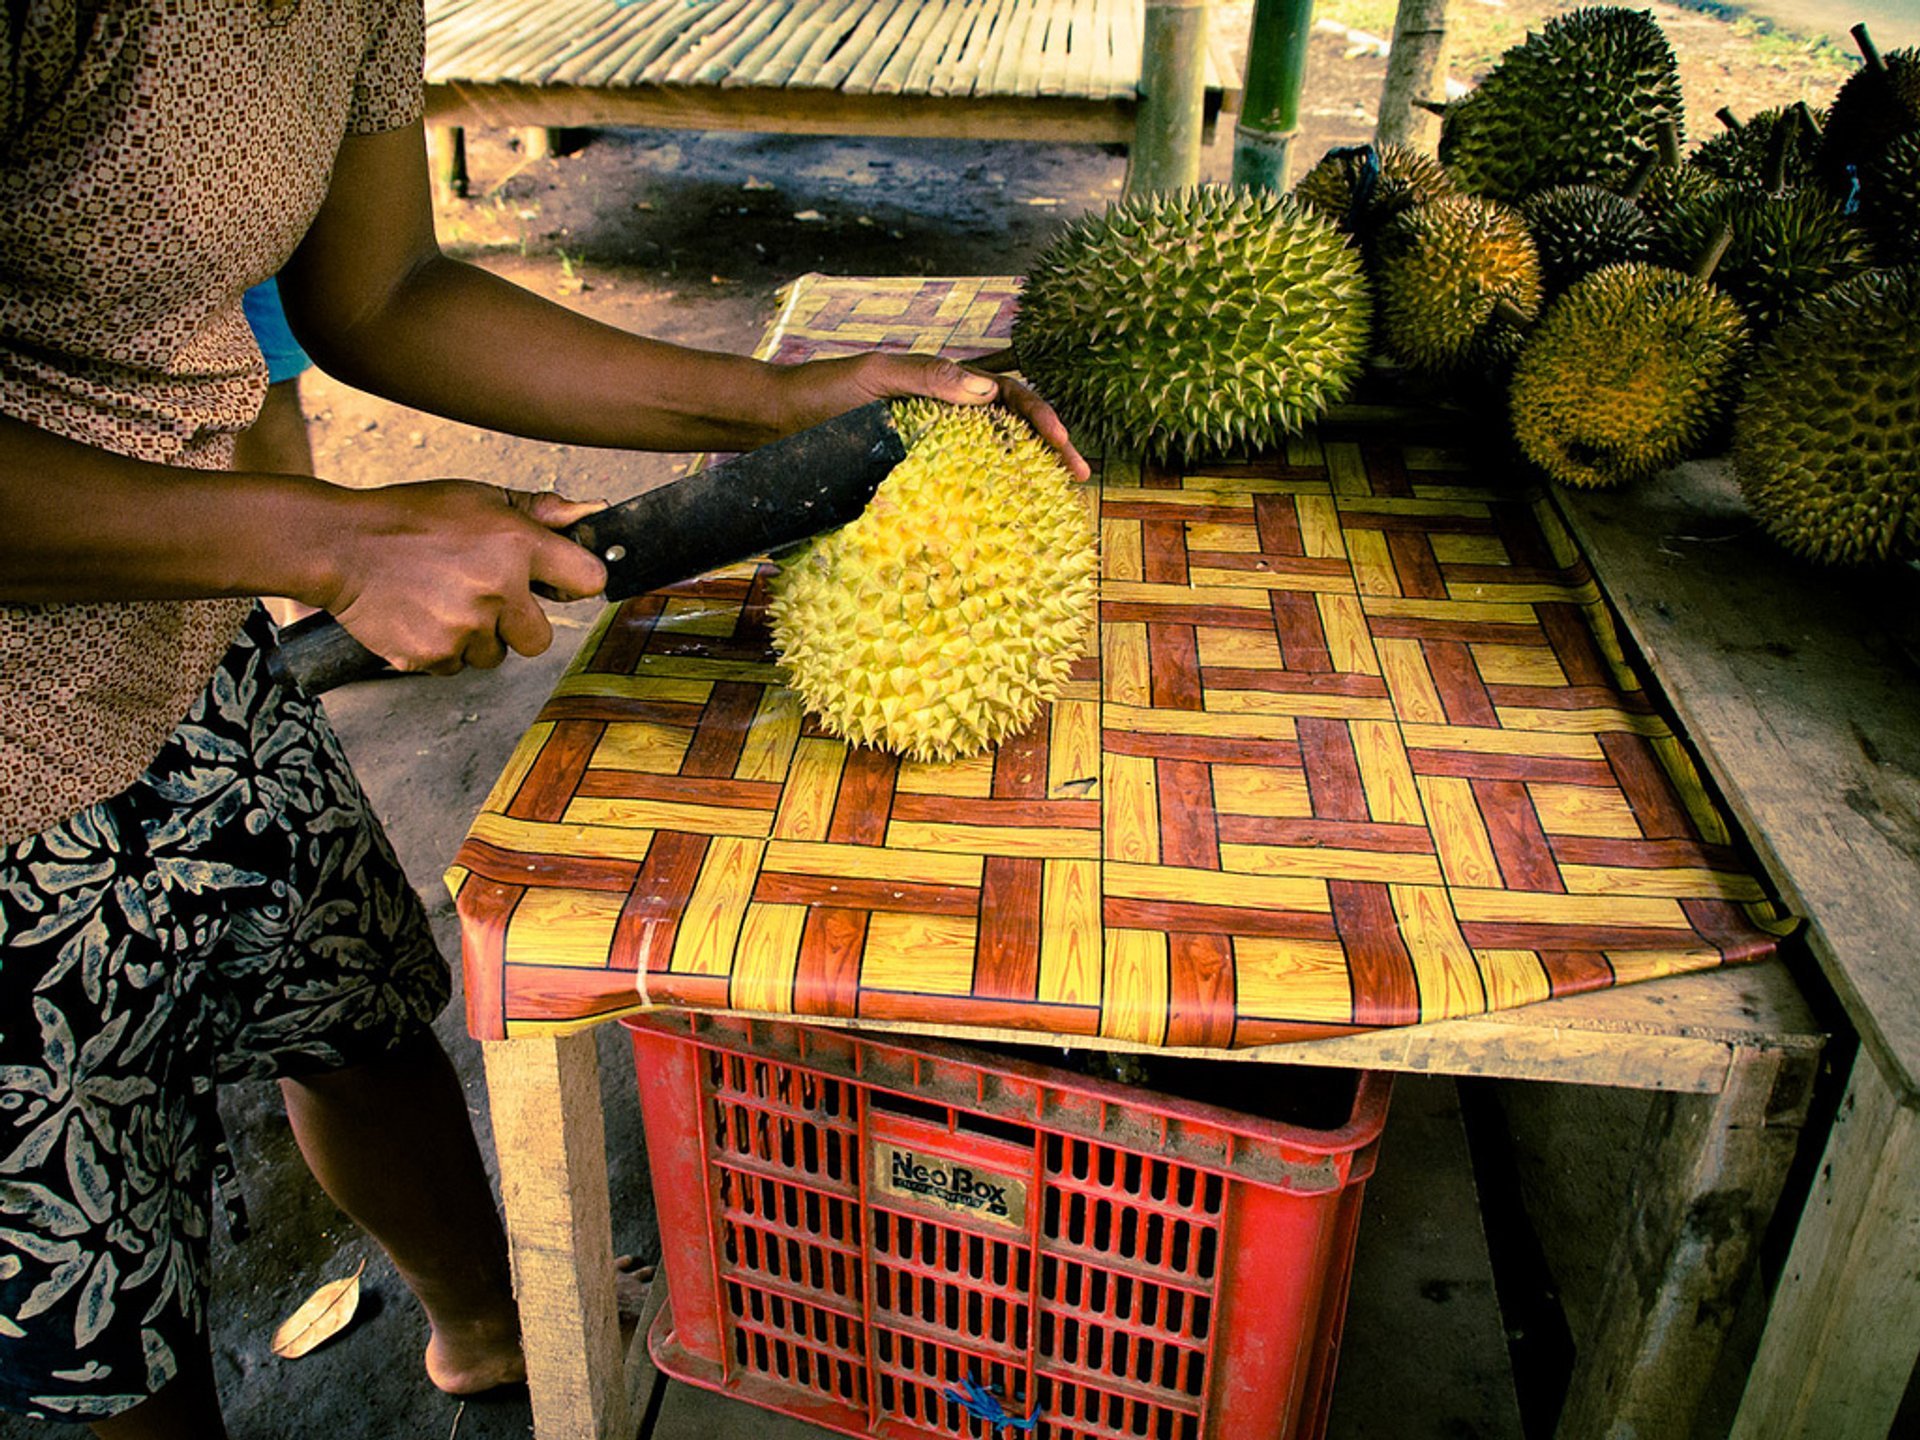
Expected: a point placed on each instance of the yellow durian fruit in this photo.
(941, 620)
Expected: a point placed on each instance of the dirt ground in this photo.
(687, 237)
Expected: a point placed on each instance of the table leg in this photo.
(550, 1136)
(1702, 1191)
(447, 159)
(1844, 1328)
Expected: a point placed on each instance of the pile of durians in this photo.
(1628, 302)
(1633, 301)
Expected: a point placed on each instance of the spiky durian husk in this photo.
(937, 624)
(1625, 374)
(1826, 439)
(1872, 110)
(1890, 201)
(1786, 248)
(1580, 228)
(1743, 154)
(1443, 270)
(1671, 187)
(1339, 189)
(1189, 323)
(1579, 102)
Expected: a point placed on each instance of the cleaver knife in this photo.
(782, 493)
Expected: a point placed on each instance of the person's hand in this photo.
(436, 576)
(820, 389)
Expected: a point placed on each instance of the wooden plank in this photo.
(1701, 1193)
(1792, 687)
(550, 1135)
(794, 109)
(1844, 1329)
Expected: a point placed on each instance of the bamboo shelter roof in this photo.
(1069, 49)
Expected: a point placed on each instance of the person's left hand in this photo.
(820, 389)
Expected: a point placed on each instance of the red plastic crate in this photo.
(855, 1229)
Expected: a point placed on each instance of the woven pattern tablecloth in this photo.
(1356, 747)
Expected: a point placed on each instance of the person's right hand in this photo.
(436, 576)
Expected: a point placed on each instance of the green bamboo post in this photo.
(1270, 102)
(1173, 78)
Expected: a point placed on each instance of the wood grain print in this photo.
(1357, 748)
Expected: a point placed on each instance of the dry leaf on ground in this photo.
(324, 1314)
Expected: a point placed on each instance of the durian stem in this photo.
(1432, 107)
(1727, 118)
(1808, 118)
(1668, 136)
(1508, 313)
(1869, 52)
(1642, 173)
(994, 362)
(1779, 144)
(1716, 250)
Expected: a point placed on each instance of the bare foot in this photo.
(476, 1357)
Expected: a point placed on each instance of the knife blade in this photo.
(782, 493)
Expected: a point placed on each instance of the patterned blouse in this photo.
(157, 158)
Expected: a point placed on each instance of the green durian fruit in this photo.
(1879, 103)
(1362, 187)
(1890, 201)
(1786, 248)
(1579, 228)
(1458, 282)
(1627, 372)
(1673, 187)
(1190, 323)
(937, 623)
(1579, 102)
(1748, 154)
(1826, 439)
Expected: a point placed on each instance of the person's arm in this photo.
(375, 303)
(432, 576)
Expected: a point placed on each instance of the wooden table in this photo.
(1800, 689)
(1730, 1052)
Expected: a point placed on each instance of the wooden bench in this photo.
(1046, 70)
(1800, 689)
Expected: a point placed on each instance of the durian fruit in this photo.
(1879, 103)
(1361, 187)
(1580, 228)
(1826, 439)
(1786, 248)
(1189, 323)
(1773, 148)
(1577, 103)
(1890, 201)
(1625, 374)
(937, 623)
(1458, 280)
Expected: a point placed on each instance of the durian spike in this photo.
(1727, 118)
(1869, 52)
(1432, 107)
(994, 362)
(1808, 118)
(1669, 138)
(1642, 173)
(1716, 250)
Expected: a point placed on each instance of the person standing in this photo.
(192, 887)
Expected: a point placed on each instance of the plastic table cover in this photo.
(1355, 746)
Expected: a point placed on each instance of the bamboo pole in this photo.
(1416, 69)
(1270, 102)
(1173, 77)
